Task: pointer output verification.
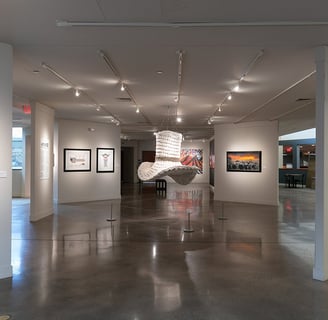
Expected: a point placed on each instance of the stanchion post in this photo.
(111, 214)
(188, 229)
(222, 217)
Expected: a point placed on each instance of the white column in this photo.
(320, 271)
(6, 67)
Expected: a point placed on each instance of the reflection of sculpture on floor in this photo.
(167, 160)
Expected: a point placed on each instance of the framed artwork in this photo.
(212, 162)
(77, 160)
(192, 157)
(244, 161)
(105, 159)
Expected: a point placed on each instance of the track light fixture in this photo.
(236, 88)
(60, 77)
(56, 74)
(77, 93)
(180, 63)
(228, 96)
(124, 86)
(179, 119)
(137, 110)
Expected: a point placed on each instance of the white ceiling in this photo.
(215, 57)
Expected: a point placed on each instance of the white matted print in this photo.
(105, 159)
(77, 160)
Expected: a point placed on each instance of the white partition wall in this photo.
(320, 270)
(248, 187)
(42, 141)
(5, 159)
(75, 186)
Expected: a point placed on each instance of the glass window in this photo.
(306, 154)
(288, 157)
(17, 148)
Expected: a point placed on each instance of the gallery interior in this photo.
(163, 160)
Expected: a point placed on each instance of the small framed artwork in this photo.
(77, 160)
(105, 159)
(244, 161)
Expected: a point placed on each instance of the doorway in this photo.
(127, 165)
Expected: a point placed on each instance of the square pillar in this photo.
(320, 271)
(6, 93)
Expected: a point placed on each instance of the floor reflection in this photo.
(78, 265)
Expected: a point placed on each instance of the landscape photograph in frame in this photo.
(244, 161)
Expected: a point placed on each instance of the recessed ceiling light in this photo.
(179, 119)
(77, 93)
(229, 97)
(137, 111)
(159, 72)
(236, 88)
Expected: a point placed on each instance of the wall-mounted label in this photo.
(3, 174)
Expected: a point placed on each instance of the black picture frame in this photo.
(244, 161)
(77, 160)
(105, 160)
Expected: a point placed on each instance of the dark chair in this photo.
(160, 185)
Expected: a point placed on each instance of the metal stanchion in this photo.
(189, 228)
(222, 217)
(111, 214)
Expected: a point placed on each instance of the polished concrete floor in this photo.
(241, 261)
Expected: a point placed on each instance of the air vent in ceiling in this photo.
(123, 99)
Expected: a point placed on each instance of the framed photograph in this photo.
(77, 160)
(105, 159)
(244, 161)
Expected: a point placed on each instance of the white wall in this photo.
(42, 142)
(88, 186)
(248, 187)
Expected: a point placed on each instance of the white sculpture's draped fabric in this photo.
(167, 161)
